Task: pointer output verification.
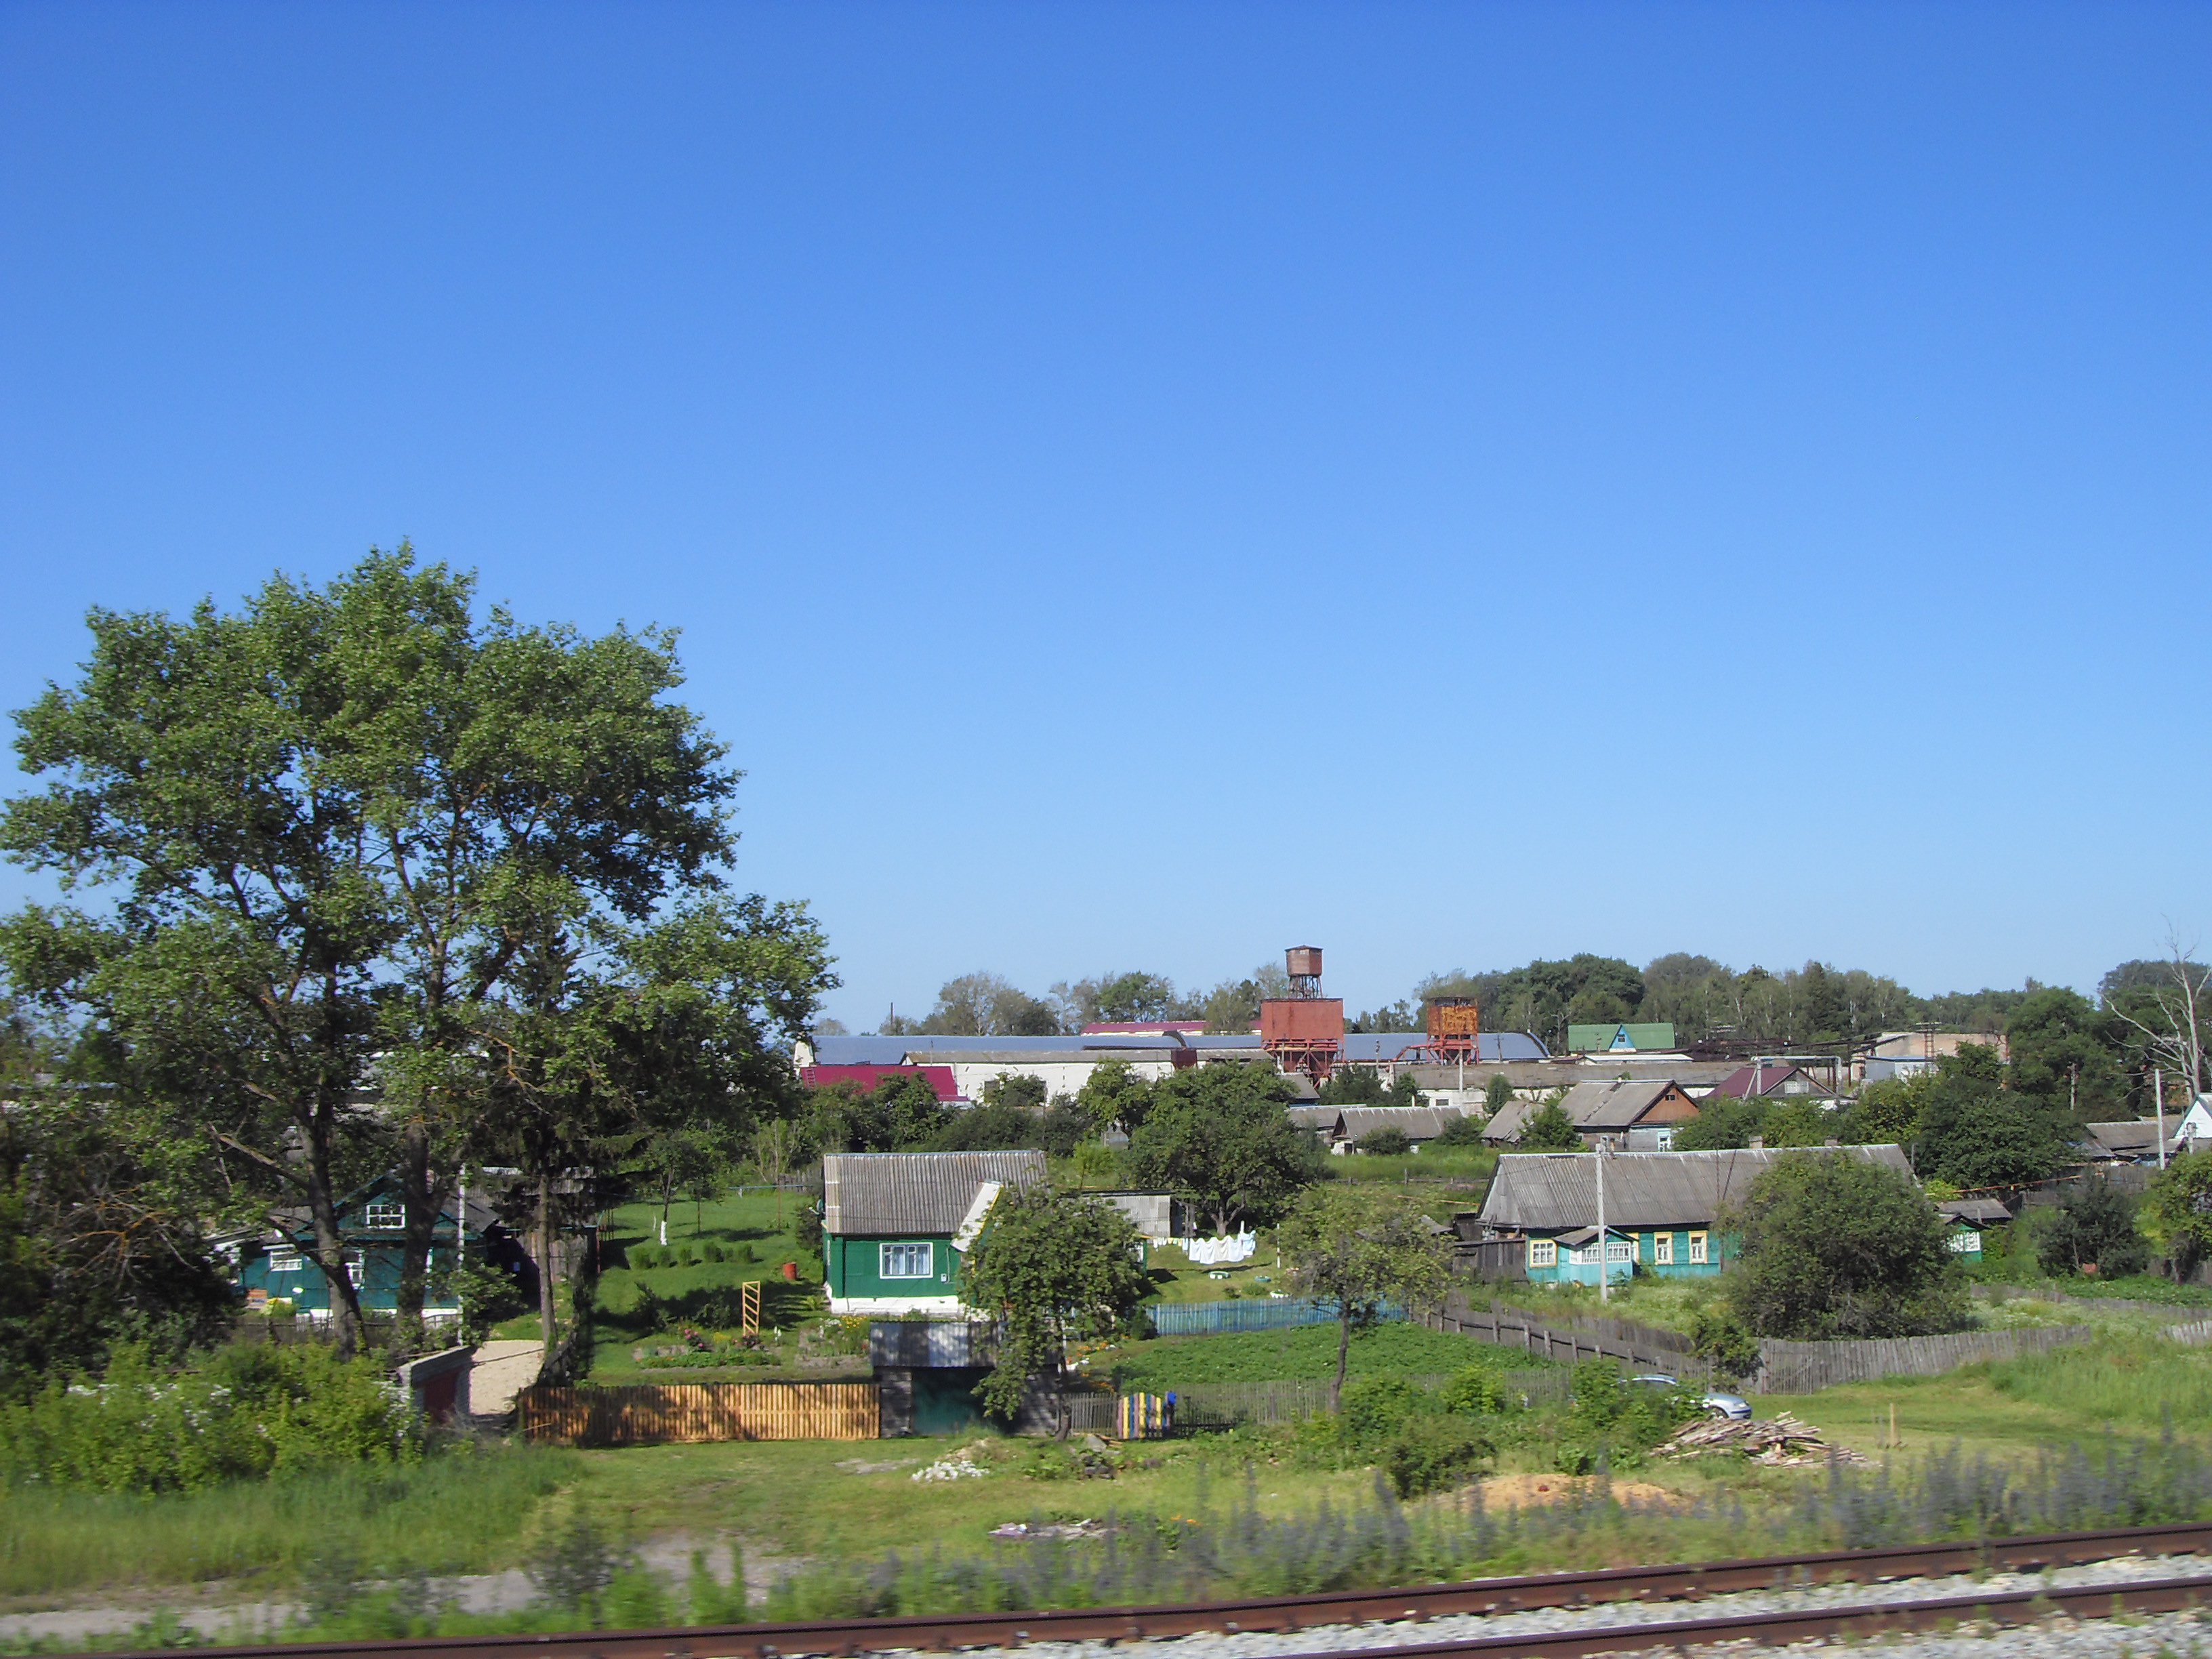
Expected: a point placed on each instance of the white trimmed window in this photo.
(1662, 1249)
(1697, 1248)
(1620, 1249)
(356, 1270)
(1543, 1253)
(384, 1215)
(283, 1261)
(907, 1261)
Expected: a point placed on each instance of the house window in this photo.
(354, 1271)
(1620, 1249)
(906, 1261)
(283, 1261)
(1543, 1253)
(382, 1215)
(1662, 1249)
(1697, 1248)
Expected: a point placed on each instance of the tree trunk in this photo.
(329, 1243)
(423, 1197)
(1343, 1355)
(545, 1261)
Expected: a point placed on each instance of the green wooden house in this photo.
(896, 1225)
(273, 1267)
(1660, 1209)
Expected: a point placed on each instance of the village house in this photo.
(1419, 1124)
(1774, 1079)
(896, 1225)
(1661, 1210)
(275, 1273)
(1603, 1112)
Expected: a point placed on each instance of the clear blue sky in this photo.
(1145, 485)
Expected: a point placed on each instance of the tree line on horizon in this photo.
(1817, 1005)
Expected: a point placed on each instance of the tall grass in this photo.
(448, 1514)
(2117, 1380)
(1394, 1349)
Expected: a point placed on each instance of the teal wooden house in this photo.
(895, 1225)
(1661, 1210)
(274, 1266)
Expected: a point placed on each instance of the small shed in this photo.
(1969, 1218)
(1419, 1124)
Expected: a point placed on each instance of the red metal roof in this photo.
(1768, 1079)
(866, 1077)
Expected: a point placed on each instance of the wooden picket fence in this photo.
(653, 1413)
(1803, 1367)
(1637, 1344)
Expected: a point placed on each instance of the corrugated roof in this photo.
(2141, 1136)
(1613, 1105)
(1497, 1047)
(1615, 1036)
(1986, 1211)
(1414, 1122)
(1550, 1190)
(914, 1194)
(1315, 1117)
(1768, 1077)
(867, 1078)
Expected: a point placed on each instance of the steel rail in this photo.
(931, 1632)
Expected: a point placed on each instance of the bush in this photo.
(1475, 1392)
(1430, 1453)
(1383, 1143)
(2094, 1232)
(716, 1253)
(1370, 1411)
(244, 1412)
(1836, 1246)
(1721, 1341)
(639, 1256)
(1462, 1131)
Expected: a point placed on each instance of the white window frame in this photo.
(356, 1267)
(1662, 1249)
(1543, 1253)
(384, 1215)
(1697, 1257)
(1620, 1249)
(285, 1260)
(906, 1254)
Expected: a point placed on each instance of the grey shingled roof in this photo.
(2140, 1137)
(1548, 1190)
(1315, 1117)
(914, 1194)
(1986, 1211)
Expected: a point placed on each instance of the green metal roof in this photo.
(1625, 1038)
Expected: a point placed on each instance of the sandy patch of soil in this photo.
(1521, 1491)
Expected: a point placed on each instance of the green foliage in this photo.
(1054, 1268)
(242, 1413)
(1465, 1131)
(1722, 1341)
(1114, 1097)
(1497, 1094)
(2064, 1055)
(1419, 1445)
(1548, 1128)
(986, 1004)
(2095, 1231)
(1305, 1351)
(1386, 1142)
(1975, 1131)
(2178, 1209)
(1886, 1113)
(1015, 1090)
(1476, 1391)
(1361, 1246)
(1836, 1246)
(1217, 1135)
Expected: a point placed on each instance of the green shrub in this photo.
(1462, 1131)
(1431, 1452)
(1475, 1392)
(1721, 1341)
(642, 1255)
(1383, 1143)
(715, 1253)
(244, 1412)
(1370, 1411)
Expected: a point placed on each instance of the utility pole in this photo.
(2158, 1101)
(1604, 1246)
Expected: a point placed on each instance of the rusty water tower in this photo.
(1304, 1030)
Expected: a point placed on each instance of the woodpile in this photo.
(1781, 1442)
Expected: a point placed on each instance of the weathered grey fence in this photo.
(1512, 1329)
(1803, 1367)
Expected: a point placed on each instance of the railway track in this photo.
(942, 1633)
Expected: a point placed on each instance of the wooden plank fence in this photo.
(1513, 1329)
(1802, 1367)
(653, 1413)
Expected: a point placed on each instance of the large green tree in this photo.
(350, 845)
(1362, 1247)
(1052, 1268)
(1217, 1135)
(1977, 1134)
(2064, 1055)
(1831, 1245)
